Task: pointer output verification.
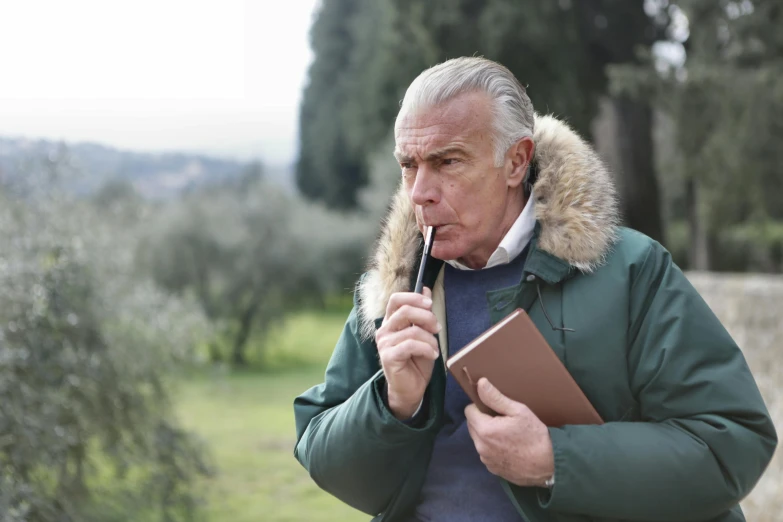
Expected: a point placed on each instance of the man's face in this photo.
(448, 167)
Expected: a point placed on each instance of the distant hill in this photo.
(88, 166)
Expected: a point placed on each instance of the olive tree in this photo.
(86, 431)
(250, 252)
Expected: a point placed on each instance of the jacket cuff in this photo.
(414, 419)
(548, 498)
(421, 421)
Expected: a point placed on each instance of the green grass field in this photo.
(246, 419)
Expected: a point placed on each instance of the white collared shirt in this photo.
(515, 240)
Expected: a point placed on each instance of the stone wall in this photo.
(751, 309)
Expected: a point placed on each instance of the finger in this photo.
(407, 315)
(479, 426)
(399, 299)
(426, 292)
(495, 400)
(411, 333)
(401, 353)
(475, 419)
(468, 415)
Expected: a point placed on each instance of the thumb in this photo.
(495, 400)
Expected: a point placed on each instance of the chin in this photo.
(446, 252)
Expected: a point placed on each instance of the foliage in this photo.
(86, 431)
(726, 107)
(250, 252)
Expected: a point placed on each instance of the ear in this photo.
(520, 155)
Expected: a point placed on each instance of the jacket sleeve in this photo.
(705, 437)
(347, 439)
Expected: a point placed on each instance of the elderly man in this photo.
(526, 216)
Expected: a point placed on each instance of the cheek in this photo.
(481, 202)
(458, 196)
(467, 210)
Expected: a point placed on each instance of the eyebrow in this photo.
(402, 158)
(435, 155)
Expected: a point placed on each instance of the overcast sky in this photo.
(216, 76)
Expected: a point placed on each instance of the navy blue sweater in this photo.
(458, 487)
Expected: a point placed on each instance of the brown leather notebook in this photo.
(518, 361)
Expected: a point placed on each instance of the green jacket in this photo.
(687, 434)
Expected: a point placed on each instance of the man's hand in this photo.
(514, 445)
(408, 349)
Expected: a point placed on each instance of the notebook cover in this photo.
(518, 361)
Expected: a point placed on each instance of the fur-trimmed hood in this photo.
(575, 204)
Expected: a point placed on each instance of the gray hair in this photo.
(513, 116)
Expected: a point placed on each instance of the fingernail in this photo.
(439, 327)
(427, 301)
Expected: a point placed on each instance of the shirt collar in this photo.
(515, 240)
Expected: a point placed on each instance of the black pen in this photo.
(428, 238)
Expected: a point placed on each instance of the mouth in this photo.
(437, 227)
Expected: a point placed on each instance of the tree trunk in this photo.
(215, 355)
(245, 327)
(698, 250)
(637, 184)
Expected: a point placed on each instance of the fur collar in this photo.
(575, 204)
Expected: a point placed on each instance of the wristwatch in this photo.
(550, 482)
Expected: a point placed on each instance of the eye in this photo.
(450, 161)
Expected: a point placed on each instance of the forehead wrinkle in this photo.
(444, 151)
(418, 137)
(431, 147)
(425, 127)
(440, 142)
(434, 155)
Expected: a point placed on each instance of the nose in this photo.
(426, 188)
